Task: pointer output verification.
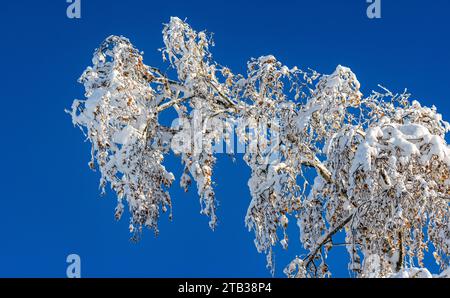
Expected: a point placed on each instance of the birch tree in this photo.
(381, 161)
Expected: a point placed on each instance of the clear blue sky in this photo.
(50, 203)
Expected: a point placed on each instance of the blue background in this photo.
(50, 202)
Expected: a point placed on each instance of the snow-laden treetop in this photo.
(382, 162)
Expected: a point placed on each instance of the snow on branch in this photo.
(382, 162)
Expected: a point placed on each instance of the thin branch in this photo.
(399, 264)
(173, 102)
(325, 238)
(229, 101)
(321, 169)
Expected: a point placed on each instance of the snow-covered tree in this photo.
(382, 162)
